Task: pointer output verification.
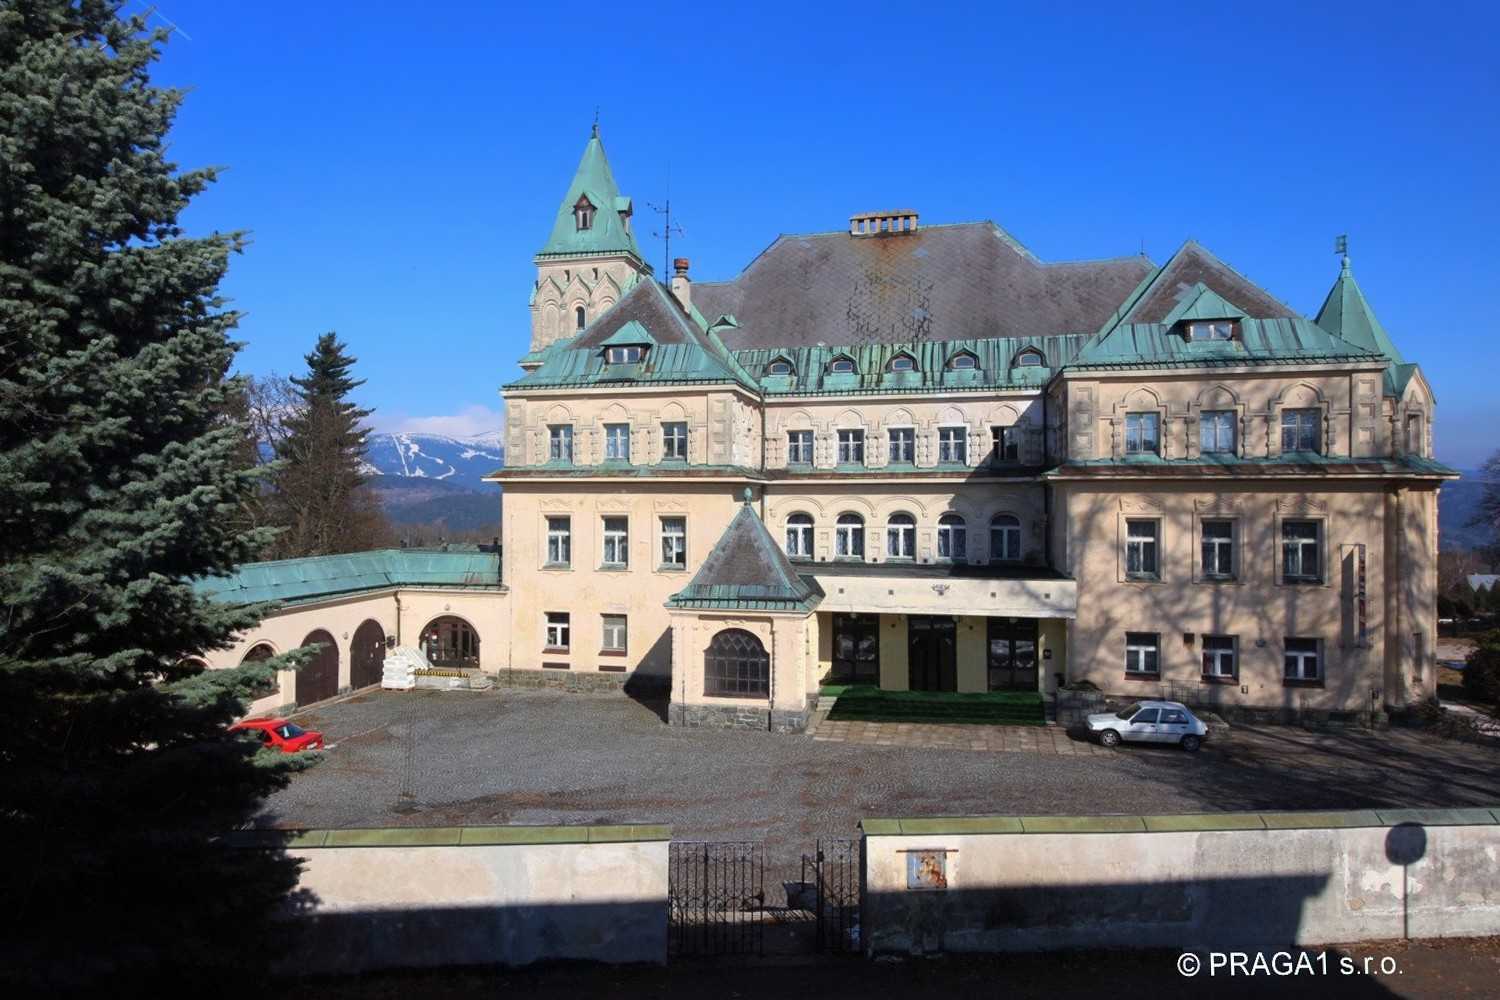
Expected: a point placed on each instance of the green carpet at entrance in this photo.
(864, 703)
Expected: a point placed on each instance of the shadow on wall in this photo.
(651, 684)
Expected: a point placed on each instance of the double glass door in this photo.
(856, 649)
(932, 653)
(1012, 662)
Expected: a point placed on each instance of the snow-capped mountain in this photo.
(460, 462)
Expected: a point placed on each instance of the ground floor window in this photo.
(614, 633)
(736, 665)
(451, 642)
(1142, 653)
(1219, 657)
(559, 630)
(1301, 661)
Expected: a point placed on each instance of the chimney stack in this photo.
(682, 286)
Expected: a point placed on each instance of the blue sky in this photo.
(398, 165)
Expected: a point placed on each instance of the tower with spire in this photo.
(591, 257)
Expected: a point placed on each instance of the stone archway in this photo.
(366, 654)
(318, 680)
(450, 641)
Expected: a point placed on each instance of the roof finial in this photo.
(747, 495)
(1341, 247)
(596, 121)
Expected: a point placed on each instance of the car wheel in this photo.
(1191, 743)
(1109, 738)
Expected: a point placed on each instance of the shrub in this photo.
(1482, 670)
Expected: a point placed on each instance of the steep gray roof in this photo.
(967, 281)
(747, 570)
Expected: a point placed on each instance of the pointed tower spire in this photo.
(1348, 315)
(593, 216)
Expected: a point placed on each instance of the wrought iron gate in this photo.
(716, 898)
(834, 874)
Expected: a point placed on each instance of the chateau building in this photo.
(917, 456)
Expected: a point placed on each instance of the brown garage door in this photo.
(319, 678)
(367, 655)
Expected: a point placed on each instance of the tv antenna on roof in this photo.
(668, 229)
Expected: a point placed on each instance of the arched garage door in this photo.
(319, 677)
(367, 654)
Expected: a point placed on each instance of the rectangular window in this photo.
(674, 542)
(1213, 329)
(1301, 661)
(1142, 433)
(617, 442)
(1301, 430)
(1300, 552)
(674, 446)
(903, 446)
(1005, 443)
(851, 447)
(1216, 432)
(1142, 653)
(560, 443)
(558, 632)
(623, 355)
(1218, 550)
(614, 633)
(559, 541)
(799, 536)
(1413, 434)
(1140, 550)
(1219, 659)
(799, 447)
(953, 445)
(616, 541)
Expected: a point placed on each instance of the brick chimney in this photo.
(682, 286)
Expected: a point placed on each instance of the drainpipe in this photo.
(398, 617)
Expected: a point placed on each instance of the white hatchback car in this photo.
(1150, 722)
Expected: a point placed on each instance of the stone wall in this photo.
(755, 717)
(585, 681)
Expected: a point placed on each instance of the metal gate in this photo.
(716, 898)
(834, 875)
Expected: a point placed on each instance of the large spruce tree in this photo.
(120, 481)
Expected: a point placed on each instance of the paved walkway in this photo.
(936, 736)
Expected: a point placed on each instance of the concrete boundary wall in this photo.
(1218, 881)
(410, 898)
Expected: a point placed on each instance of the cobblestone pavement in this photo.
(435, 758)
(1017, 739)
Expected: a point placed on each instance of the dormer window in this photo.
(1211, 329)
(903, 363)
(780, 366)
(583, 214)
(841, 366)
(963, 362)
(1030, 358)
(629, 354)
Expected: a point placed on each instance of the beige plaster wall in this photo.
(596, 283)
(785, 638)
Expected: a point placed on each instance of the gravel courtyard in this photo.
(516, 756)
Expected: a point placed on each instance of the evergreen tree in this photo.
(320, 498)
(119, 480)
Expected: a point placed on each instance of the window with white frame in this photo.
(963, 361)
(841, 366)
(902, 363)
(953, 445)
(1005, 538)
(616, 541)
(1218, 549)
(674, 542)
(952, 537)
(1029, 358)
(559, 541)
(1005, 444)
(799, 447)
(1301, 430)
(583, 215)
(799, 536)
(1216, 432)
(617, 442)
(1141, 549)
(901, 536)
(1219, 657)
(849, 537)
(674, 441)
(560, 443)
(852, 447)
(1143, 433)
(1301, 552)
(779, 367)
(1211, 329)
(614, 633)
(1142, 653)
(628, 354)
(1301, 660)
(558, 631)
(903, 443)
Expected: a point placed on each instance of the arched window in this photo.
(901, 536)
(849, 537)
(799, 536)
(902, 363)
(259, 651)
(1030, 358)
(1005, 538)
(841, 366)
(779, 367)
(952, 537)
(736, 665)
(583, 214)
(579, 318)
(450, 641)
(963, 361)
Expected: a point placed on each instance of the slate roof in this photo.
(967, 281)
(293, 581)
(609, 234)
(1190, 266)
(747, 570)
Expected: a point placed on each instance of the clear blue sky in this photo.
(398, 165)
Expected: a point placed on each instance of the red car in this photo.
(288, 737)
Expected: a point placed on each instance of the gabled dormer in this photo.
(781, 366)
(628, 345)
(901, 362)
(583, 214)
(1202, 315)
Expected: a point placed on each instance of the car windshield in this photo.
(1128, 712)
(289, 730)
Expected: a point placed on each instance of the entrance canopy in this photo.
(946, 589)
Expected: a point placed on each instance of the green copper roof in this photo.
(747, 570)
(1260, 341)
(1346, 314)
(610, 232)
(290, 581)
(1202, 302)
(631, 333)
(1291, 464)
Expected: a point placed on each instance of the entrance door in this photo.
(1012, 654)
(932, 653)
(856, 649)
(319, 677)
(367, 655)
